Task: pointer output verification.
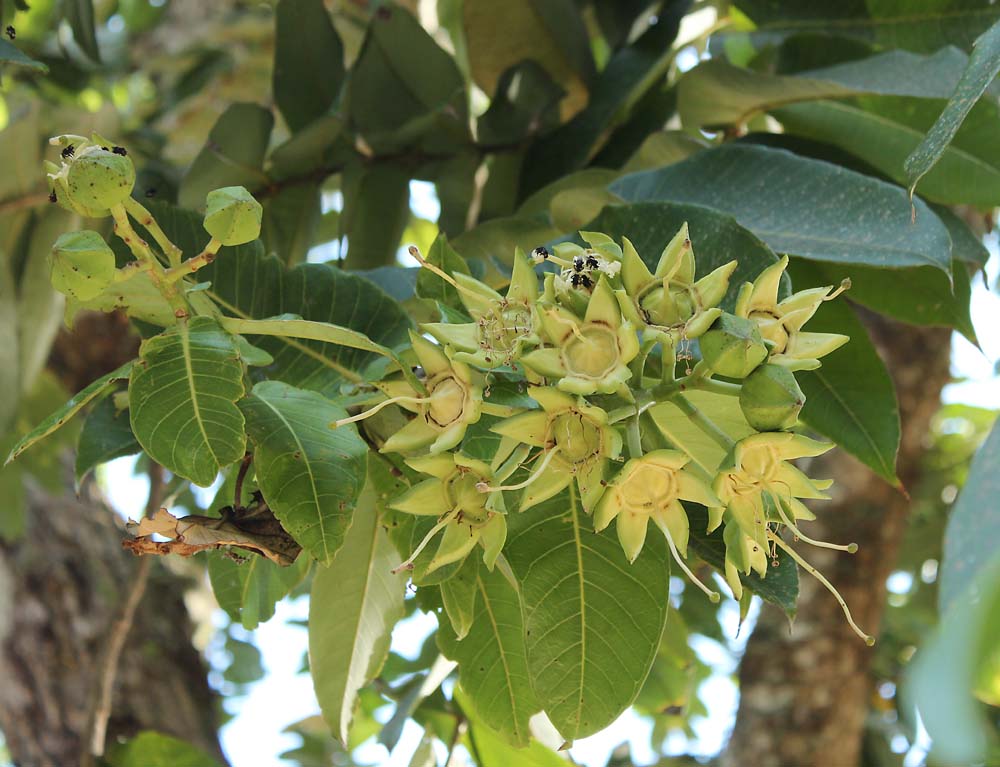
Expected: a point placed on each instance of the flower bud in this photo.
(232, 215)
(771, 398)
(733, 346)
(99, 179)
(82, 265)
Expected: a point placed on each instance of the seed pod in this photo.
(98, 179)
(771, 398)
(232, 215)
(733, 346)
(82, 265)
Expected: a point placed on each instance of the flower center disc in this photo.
(447, 401)
(592, 354)
(466, 498)
(647, 489)
(502, 330)
(771, 329)
(667, 306)
(577, 437)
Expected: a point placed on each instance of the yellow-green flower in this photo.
(468, 516)
(587, 356)
(576, 440)
(652, 488)
(453, 401)
(670, 298)
(781, 322)
(502, 325)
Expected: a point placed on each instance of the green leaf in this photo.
(80, 15)
(248, 284)
(290, 221)
(68, 410)
(152, 749)
(354, 604)
(308, 61)
(249, 590)
(429, 285)
(972, 538)
(781, 585)
(458, 594)
(715, 237)
(686, 436)
(106, 435)
(491, 750)
(499, 237)
(588, 648)
(232, 156)
(310, 474)
(11, 54)
(550, 32)
(984, 63)
(966, 246)
(492, 666)
(376, 210)
(785, 200)
(182, 400)
(851, 398)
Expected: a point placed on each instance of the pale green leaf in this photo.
(688, 437)
(249, 590)
(182, 400)
(493, 751)
(310, 474)
(354, 604)
(458, 594)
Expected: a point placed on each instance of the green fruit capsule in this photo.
(99, 179)
(733, 346)
(232, 215)
(82, 265)
(771, 398)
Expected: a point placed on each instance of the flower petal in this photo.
(603, 307)
(547, 362)
(427, 498)
(632, 533)
(415, 435)
(635, 273)
(673, 521)
(458, 540)
(551, 482)
(530, 428)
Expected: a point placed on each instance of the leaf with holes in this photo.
(182, 400)
(592, 621)
(492, 664)
(310, 474)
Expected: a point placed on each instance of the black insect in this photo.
(52, 197)
(541, 252)
(119, 150)
(581, 281)
(592, 262)
(151, 192)
(68, 152)
(105, 149)
(11, 32)
(577, 263)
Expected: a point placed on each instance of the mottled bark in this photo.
(805, 692)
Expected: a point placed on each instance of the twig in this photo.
(460, 726)
(96, 733)
(240, 475)
(24, 201)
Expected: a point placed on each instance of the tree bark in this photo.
(805, 692)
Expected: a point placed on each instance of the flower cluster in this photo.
(598, 339)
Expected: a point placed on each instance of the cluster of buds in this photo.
(594, 340)
(95, 179)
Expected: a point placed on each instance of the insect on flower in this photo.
(11, 32)
(119, 150)
(68, 152)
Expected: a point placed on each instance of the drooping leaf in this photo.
(851, 398)
(376, 209)
(589, 647)
(232, 156)
(249, 590)
(972, 539)
(182, 400)
(290, 221)
(984, 63)
(308, 61)
(106, 435)
(458, 594)
(152, 749)
(310, 474)
(492, 666)
(68, 410)
(80, 15)
(354, 604)
(785, 200)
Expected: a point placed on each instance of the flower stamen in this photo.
(372, 411)
(484, 487)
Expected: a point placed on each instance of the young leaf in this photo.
(492, 667)
(310, 474)
(790, 208)
(354, 604)
(588, 650)
(984, 63)
(182, 400)
(68, 410)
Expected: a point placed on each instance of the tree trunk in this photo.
(804, 693)
(62, 590)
